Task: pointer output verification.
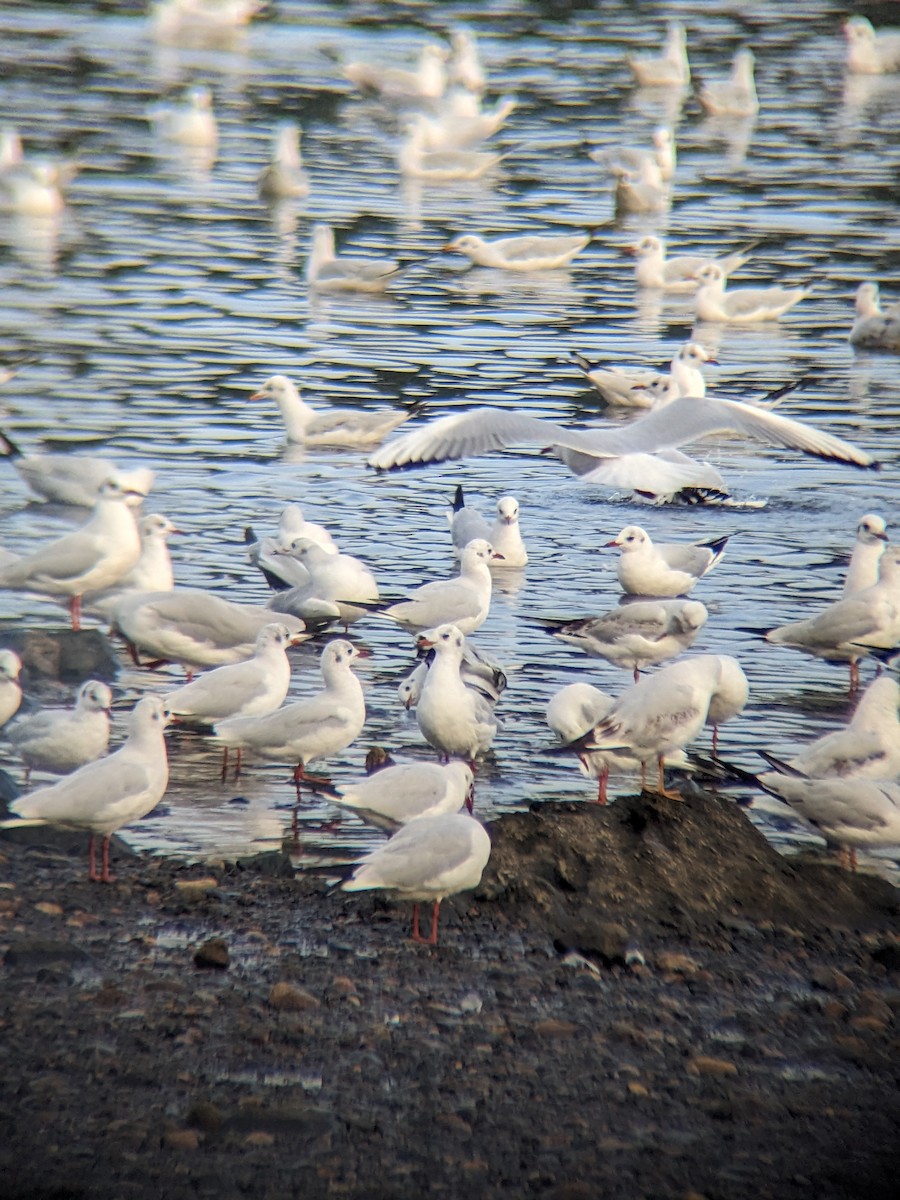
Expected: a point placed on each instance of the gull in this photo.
(464, 600)
(665, 569)
(91, 558)
(875, 328)
(462, 123)
(641, 190)
(867, 748)
(531, 253)
(468, 525)
(10, 688)
(641, 456)
(852, 813)
(315, 727)
(662, 154)
(741, 305)
(870, 52)
(465, 64)
(173, 17)
(280, 570)
(406, 792)
(454, 719)
(427, 82)
(108, 793)
(670, 68)
(679, 272)
(846, 629)
(340, 587)
(328, 272)
(352, 428)
(32, 189)
(151, 573)
(440, 166)
(485, 677)
(62, 740)
(251, 688)
(284, 177)
(427, 859)
(865, 560)
(636, 635)
(191, 123)
(665, 711)
(736, 95)
(626, 386)
(12, 152)
(74, 479)
(192, 627)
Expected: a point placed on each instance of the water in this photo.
(168, 292)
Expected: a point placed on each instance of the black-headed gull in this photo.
(627, 386)
(464, 600)
(173, 18)
(736, 95)
(868, 548)
(640, 191)
(642, 456)
(108, 793)
(397, 85)
(352, 428)
(304, 730)
(326, 271)
(875, 328)
(505, 536)
(871, 51)
(192, 627)
(462, 123)
(453, 718)
(151, 573)
(476, 671)
(251, 688)
(340, 587)
(668, 69)
(745, 305)
(32, 189)
(663, 569)
(284, 178)
(10, 688)
(190, 123)
(677, 273)
(465, 64)
(636, 635)
(91, 558)
(74, 479)
(404, 792)
(663, 154)
(845, 629)
(60, 740)
(545, 252)
(665, 711)
(281, 570)
(427, 859)
(440, 166)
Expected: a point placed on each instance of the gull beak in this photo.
(407, 703)
(363, 652)
(496, 555)
(450, 246)
(257, 396)
(134, 492)
(297, 639)
(614, 542)
(882, 537)
(629, 249)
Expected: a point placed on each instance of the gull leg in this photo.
(238, 759)
(432, 941)
(416, 936)
(643, 776)
(715, 741)
(105, 876)
(224, 762)
(661, 789)
(602, 780)
(637, 673)
(75, 612)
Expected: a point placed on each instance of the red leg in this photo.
(92, 861)
(105, 877)
(853, 858)
(715, 741)
(637, 674)
(224, 762)
(470, 798)
(238, 759)
(75, 612)
(27, 777)
(434, 923)
(643, 776)
(602, 780)
(417, 937)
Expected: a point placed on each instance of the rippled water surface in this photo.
(167, 293)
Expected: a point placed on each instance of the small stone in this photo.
(259, 1137)
(49, 908)
(679, 964)
(343, 985)
(207, 884)
(553, 1028)
(213, 954)
(868, 1024)
(829, 979)
(181, 1139)
(717, 1067)
(638, 1089)
(287, 997)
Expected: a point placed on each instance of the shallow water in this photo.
(167, 292)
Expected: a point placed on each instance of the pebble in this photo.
(189, 886)
(212, 954)
(181, 1139)
(288, 997)
(830, 979)
(676, 963)
(718, 1067)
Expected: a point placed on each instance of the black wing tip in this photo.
(459, 501)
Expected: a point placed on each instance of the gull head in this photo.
(712, 273)
(445, 639)
(508, 510)
(94, 696)
(694, 354)
(467, 243)
(10, 664)
(478, 550)
(859, 31)
(631, 538)
(156, 527)
(871, 529)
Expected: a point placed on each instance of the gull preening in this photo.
(284, 178)
(663, 569)
(677, 273)
(326, 271)
(74, 479)
(744, 305)
(670, 68)
(477, 671)
(528, 253)
(347, 427)
(865, 561)
(639, 634)
(108, 793)
(455, 719)
(60, 741)
(91, 558)
(627, 386)
(736, 95)
(10, 688)
(871, 51)
(428, 859)
(279, 569)
(875, 328)
(643, 456)
(406, 792)
(504, 535)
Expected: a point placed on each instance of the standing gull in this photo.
(62, 740)
(406, 792)
(455, 719)
(10, 688)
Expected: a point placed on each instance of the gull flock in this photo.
(115, 566)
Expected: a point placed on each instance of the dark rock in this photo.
(213, 954)
(69, 655)
(888, 956)
(42, 952)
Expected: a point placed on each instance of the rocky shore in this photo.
(643, 1000)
